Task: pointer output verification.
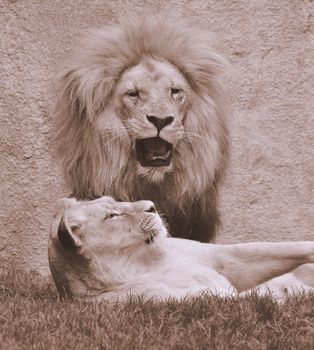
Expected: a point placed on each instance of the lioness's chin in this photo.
(155, 238)
(151, 239)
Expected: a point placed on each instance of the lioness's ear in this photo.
(66, 235)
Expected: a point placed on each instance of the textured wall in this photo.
(269, 189)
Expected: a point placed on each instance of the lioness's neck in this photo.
(164, 254)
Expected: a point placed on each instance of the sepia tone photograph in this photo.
(156, 174)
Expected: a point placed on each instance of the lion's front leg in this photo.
(197, 228)
(205, 220)
(195, 223)
(204, 227)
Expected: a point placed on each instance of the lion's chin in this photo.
(153, 174)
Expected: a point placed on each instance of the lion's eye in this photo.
(133, 93)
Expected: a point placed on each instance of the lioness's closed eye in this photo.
(105, 249)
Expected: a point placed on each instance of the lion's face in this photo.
(151, 100)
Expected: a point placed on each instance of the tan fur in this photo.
(97, 124)
(108, 250)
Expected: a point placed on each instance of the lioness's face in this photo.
(104, 226)
(152, 98)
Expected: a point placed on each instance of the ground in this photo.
(32, 317)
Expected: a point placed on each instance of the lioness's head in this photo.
(90, 240)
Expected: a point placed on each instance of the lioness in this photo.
(107, 250)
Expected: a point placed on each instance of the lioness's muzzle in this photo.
(153, 152)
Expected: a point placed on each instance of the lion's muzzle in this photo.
(153, 152)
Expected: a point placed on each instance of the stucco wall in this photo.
(269, 190)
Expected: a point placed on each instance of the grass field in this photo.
(32, 317)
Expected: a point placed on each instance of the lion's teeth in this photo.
(162, 157)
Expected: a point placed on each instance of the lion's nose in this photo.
(160, 122)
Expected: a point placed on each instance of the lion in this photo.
(142, 115)
(108, 250)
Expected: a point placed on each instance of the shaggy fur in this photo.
(97, 163)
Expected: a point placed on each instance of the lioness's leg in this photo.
(284, 285)
(250, 264)
(298, 280)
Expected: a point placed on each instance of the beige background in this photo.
(269, 190)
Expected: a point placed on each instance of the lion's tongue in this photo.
(155, 147)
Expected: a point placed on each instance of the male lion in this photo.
(141, 114)
(107, 250)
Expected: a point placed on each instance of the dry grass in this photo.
(32, 317)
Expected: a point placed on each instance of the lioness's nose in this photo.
(160, 122)
(151, 209)
(144, 205)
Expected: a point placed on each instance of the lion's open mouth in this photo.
(153, 152)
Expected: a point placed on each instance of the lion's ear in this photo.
(67, 236)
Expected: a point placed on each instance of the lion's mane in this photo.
(95, 164)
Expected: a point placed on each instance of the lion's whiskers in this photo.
(190, 135)
(112, 134)
(116, 137)
(112, 130)
(133, 129)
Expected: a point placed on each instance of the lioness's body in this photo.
(109, 250)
